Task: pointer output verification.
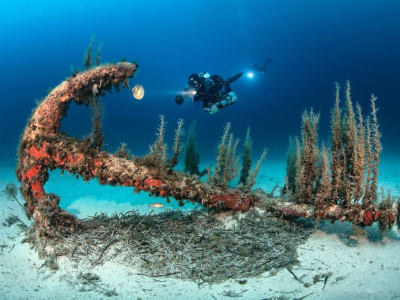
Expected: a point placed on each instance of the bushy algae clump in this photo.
(192, 155)
(227, 165)
(11, 192)
(341, 182)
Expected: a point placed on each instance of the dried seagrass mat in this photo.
(191, 246)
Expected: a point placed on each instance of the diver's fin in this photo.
(234, 78)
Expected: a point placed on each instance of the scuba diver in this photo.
(212, 90)
(261, 69)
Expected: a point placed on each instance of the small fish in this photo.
(156, 205)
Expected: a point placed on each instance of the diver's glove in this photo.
(179, 100)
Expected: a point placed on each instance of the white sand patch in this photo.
(89, 206)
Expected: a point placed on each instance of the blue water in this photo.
(312, 44)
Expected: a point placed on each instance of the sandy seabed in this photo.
(358, 267)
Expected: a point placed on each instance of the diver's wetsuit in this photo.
(209, 89)
(213, 91)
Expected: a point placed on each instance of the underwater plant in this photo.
(123, 152)
(352, 144)
(87, 60)
(385, 205)
(227, 166)
(98, 55)
(227, 162)
(157, 156)
(374, 150)
(348, 173)
(291, 159)
(324, 181)
(251, 179)
(336, 134)
(177, 148)
(358, 152)
(192, 155)
(96, 136)
(74, 71)
(246, 159)
(307, 154)
(248, 177)
(11, 192)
